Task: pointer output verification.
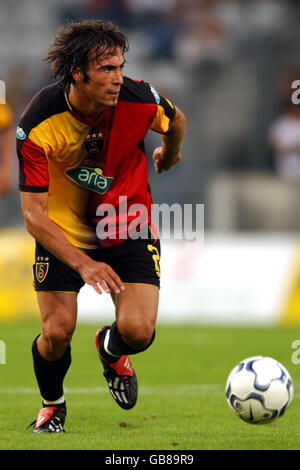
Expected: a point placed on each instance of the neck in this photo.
(82, 105)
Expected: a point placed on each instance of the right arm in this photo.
(48, 234)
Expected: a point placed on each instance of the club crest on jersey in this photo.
(41, 271)
(94, 144)
(90, 178)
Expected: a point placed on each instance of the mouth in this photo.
(114, 94)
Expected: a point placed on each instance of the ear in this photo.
(77, 75)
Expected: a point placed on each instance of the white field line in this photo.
(159, 390)
(202, 389)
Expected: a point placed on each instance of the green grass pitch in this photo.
(181, 404)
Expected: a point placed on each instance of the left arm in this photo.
(166, 156)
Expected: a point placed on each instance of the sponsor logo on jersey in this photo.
(90, 178)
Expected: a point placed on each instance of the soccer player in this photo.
(6, 149)
(81, 154)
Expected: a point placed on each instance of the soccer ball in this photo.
(259, 389)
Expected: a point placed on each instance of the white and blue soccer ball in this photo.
(259, 389)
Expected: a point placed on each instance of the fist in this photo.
(164, 162)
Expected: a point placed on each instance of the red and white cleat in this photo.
(120, 376)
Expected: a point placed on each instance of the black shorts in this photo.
(135, 261)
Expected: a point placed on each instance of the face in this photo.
(105, 77)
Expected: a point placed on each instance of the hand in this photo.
(101, 276)
(162, 162)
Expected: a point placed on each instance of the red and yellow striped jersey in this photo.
(84, 165)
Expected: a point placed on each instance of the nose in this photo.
(118, 77)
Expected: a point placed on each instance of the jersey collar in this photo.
(78, 116)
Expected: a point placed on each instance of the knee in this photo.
(137, 336)
(57, 337)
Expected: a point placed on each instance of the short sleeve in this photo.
(164, 115)
(33, 165)
(159, 109)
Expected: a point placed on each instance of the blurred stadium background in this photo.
(229, 65)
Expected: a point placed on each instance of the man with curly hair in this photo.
(82, 157)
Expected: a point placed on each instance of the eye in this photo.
(109, 68)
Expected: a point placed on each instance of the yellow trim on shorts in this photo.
(142, 284)
(75, 292)
(62, 291)
(154, 235)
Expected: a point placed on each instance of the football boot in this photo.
(50, 419)
(120, 376)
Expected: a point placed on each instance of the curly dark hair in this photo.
(76, 44)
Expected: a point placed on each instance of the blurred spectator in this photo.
(19, 84)
(203, 37)
(261, 17)
(284, 132)
(155, 20)
(284, 140)
(7, 144)
(158, 22)
(213, 30)
(106, 10)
